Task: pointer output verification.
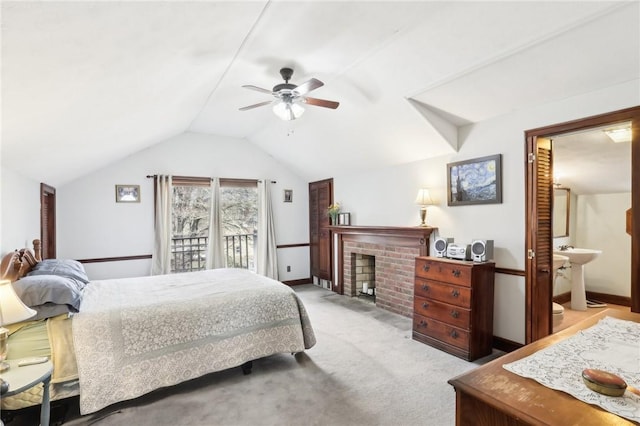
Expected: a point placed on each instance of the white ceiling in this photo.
(87, 83)
(589, 162)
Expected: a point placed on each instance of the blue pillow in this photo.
(62, 267)
(49, 310)
(40, 289)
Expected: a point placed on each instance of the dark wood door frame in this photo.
(537, 304)
(48, 220)
(320, 240)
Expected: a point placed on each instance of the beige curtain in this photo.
(161, 258)
(215, 250)
(267, 261)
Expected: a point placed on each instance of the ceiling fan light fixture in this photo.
(288, 111)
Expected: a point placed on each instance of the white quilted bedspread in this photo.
(135, 335)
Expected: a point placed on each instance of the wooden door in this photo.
(539, 238)
(320, 198)
(48, 221)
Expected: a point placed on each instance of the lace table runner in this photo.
(612, 345)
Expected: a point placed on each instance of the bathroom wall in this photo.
(598, 222)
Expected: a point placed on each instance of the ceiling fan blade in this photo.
(256, 88)
(307, 86)
(322, 102)
(255, 105)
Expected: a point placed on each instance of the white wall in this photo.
(601, 223)
(92, 225)
(385, 197)
(20, 207)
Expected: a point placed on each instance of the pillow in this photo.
(40, 289)
(48, 310)
(62, 267)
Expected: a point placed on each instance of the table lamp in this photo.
(423, 199)
(12, 310)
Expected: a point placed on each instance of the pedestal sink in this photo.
(558, 261)
(578, 257)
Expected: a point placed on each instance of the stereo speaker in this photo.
(440, 245)
(482, 250)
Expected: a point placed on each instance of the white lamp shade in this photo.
(423, 198)
(12, 309)
(288, 110)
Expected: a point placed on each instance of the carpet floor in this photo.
(364, 370)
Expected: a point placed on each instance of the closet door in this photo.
(320, 197)
(48, 221)
(539, 237)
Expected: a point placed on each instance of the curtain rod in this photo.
(222, 179)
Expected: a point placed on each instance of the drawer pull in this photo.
(425, 305)
(422, 323)
(454, 334)
(456, 272)
(455, 314)
(455, 293)
(426, 267)
(425, 287)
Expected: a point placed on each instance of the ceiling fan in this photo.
(289, 97)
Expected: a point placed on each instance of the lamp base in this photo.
(423, 217)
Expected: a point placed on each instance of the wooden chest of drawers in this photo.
(453, 306)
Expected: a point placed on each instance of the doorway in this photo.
(539, 231)
(320, 198)
(48, 221)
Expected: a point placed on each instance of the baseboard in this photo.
(592, 295)
(298, 282)
(609, 298)
(505, 345)
(562, 298)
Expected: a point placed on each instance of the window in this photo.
(190, 227)
(239, 213)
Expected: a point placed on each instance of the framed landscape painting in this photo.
(477, 181)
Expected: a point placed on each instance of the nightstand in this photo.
(22, 378)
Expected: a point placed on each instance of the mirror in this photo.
(561, 205)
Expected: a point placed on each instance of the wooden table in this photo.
(491, 395)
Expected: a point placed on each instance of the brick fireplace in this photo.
(392, 251)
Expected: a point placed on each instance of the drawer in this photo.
(441, 331)
(444, 312)
(450, 272)
(453, 294)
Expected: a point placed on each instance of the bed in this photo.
(114, 340)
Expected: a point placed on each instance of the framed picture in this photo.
(344, 219)
(288, 195)
(477, 181)
(127, 193)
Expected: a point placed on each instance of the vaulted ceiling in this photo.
(85, 84)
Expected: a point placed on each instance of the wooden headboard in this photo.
(17, 264)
